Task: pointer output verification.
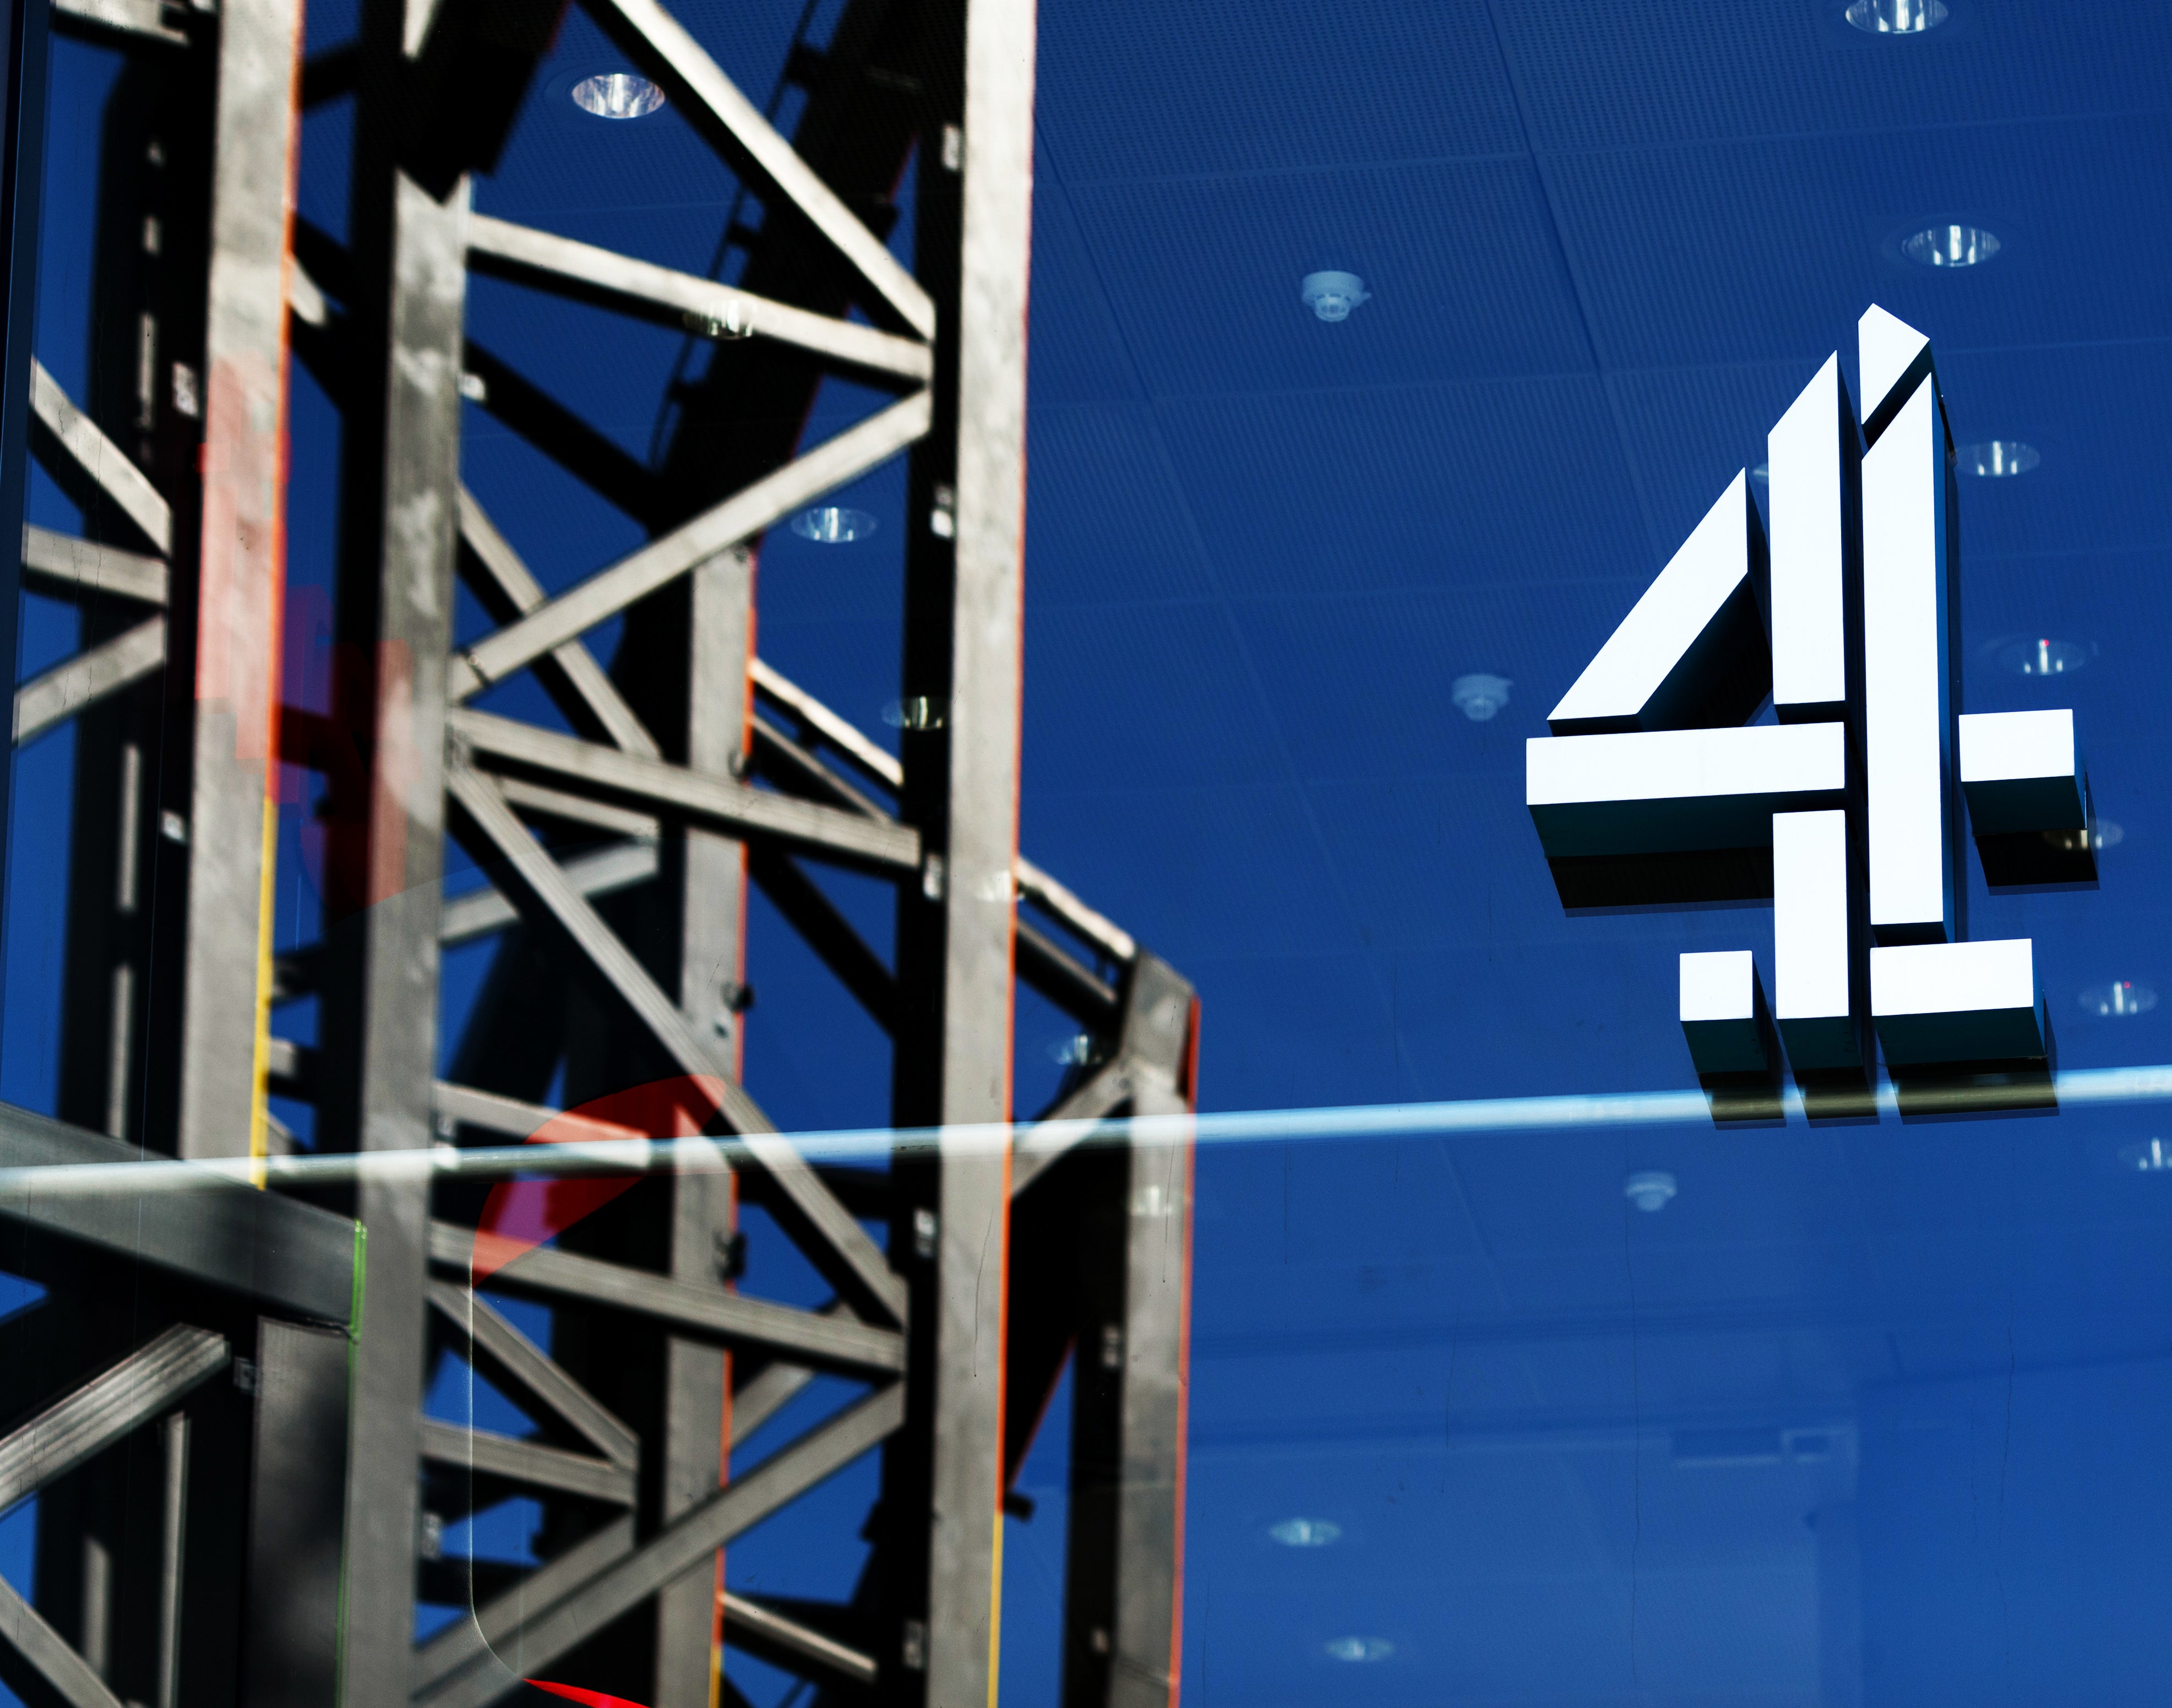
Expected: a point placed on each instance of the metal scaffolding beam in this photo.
(617, 850)
(231, 625)
(131, 1598)
(941, 1547)
(384, 859)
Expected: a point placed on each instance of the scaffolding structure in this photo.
(257, 1363)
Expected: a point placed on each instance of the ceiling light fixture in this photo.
(919, 713)
(1896, 17)
(1479, 697)
(617, 95)
(1306, 1532)
(1359, 1648)
(1650, 1189)
(833, 524)
(2120, 1000)
(1951, 245)
(1996, 459)
(2148, 1157)
(1331, 296)
(2043, 656)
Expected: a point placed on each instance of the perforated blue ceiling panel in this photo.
(2100, 414)
(1615, 74)
(1272, 892)
(1372, 726)
(1687, 432)
(1077, 356)
(1348, 490)
(1138, 90)
(1109, 524)
(1202, 276)
(1752, 250)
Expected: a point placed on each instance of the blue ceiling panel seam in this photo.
(1660, 549)
(1254, 681)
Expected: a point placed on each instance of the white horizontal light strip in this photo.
(2097, 1087)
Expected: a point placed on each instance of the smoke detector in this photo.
(1332, 296)
(1649, 1189)
(1479, 697)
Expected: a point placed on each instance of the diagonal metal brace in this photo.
(589, 274)
(60, 1667)
(494, 1340)
(664, 48)
(745, 513)
(69, 565)
(100, 458)
(107, 1407)
(79, 683)
(733, 1319)
(731, 807)
(823, 1227)
(562, 1626)
(511, 591)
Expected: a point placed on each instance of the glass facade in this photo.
(910, 852)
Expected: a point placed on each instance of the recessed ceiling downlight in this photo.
(1306, 1532)
(1896, 17)
(1358, 1648)
(833, 524)
(1072, 1049)
(2120, 1000)
(2043, 656)
(617, 95)
(1996, 459)
(1951, 245)
(2107, 835)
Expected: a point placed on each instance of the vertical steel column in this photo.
(173, 1552)
(22, 178)
(297, 1487)
(148, 244)
(233, 817)
(380, 1003)
(712, 970)
(1124, 1584)
(1147, 1643)
(964, 599)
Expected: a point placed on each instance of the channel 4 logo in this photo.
(1654, 789)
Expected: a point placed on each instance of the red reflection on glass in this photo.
(522, 1215)
(574, 1693)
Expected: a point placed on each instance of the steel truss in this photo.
(617, 855)
(181, 1401)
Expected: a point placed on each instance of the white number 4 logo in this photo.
(1846, 811)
